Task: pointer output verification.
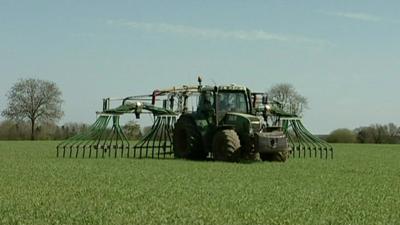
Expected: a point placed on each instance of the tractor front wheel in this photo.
(187, 140)
(226, 146)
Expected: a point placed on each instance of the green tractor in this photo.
(225, 123)
(231, 125)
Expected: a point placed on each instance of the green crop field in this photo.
(360, 186)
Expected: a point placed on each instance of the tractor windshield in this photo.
(232, 102)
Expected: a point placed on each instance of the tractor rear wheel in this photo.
(226, 146)
(277, 156)
(187, 140)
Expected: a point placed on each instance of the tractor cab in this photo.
(232, 101)
(233, 98)
(217, 101)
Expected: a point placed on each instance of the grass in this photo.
(360, 186)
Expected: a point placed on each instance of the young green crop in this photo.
(360, 186)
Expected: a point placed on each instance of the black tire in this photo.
(247, 149)
(226, 146)
(187, 142)
(276, 157)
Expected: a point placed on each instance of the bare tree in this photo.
(35, 101)
(292, 102)
(393, 130)
(378, 134)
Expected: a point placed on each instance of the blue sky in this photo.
(344, 56)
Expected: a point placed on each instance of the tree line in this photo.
(21, 130)
(375, 134)
(13, 130)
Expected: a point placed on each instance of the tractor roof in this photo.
(232, 87)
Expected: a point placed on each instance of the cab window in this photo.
(232, 102)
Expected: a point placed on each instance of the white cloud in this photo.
(207, 33)
(355, 16)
